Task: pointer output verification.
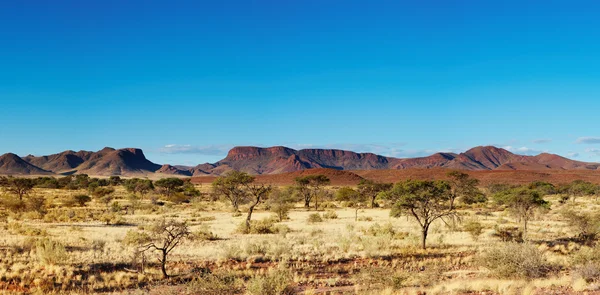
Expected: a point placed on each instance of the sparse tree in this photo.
(20, 187)
(464, 187)
(81, 200)
(425, 201)
(258, 193)
(523, 203)
(309, 187)
(353, 198)
(232, 187)
(580, 188)
(371, 189)
(104, 194)
(169, 186)
(281, 202)
(162, 237)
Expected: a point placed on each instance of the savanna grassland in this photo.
(82, 235)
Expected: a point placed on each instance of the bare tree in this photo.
(162, 237)
(258, 192)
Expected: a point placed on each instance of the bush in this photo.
(586, 264)
(474, 228)
(261, 227)
(330, 215)
(50, 252)
(81, 200)
(220, 283)
(587, 225)
(381, 277)
(314, 217)
(204, 234)
(513, 260)
(276, 282)
(508, 234)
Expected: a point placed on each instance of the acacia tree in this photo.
(426, 201)
(355, 199)
(169, 186)
(464, 187)
(258, 193)
(580, 188)
(232, 187)
(371, 189)
(523, 202)
(309, 188)
(20, 187)
(162, 237)
(280, 202)
(141, 186)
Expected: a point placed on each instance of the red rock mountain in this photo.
(278, 160)
(11, 164)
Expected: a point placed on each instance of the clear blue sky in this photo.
(186, 80)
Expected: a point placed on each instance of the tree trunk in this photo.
(373, 202)
(316, 203)
(524, 228)
(307, 203)
(163, 262)
(249, 217)
(424, 237)
(356, 214)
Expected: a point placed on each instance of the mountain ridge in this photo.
(278, 160)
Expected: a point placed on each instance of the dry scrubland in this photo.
(84, 249)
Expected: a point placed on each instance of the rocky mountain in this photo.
(278, 160)
(11, 164)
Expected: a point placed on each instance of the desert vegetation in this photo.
(84, 235)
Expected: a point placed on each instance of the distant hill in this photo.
(280, 160)
(11, 164)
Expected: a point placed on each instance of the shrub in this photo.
(204, 234)
(508, 234)
(81, 200)
(586, 264)
(587, 225)
(314, 217)
(381, 277)
(50, 252)
(474, 228)
(262, 226)
(220, 283)
(330, 215)
(513, 260)
(276, 282)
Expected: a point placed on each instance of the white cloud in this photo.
(588, 140)
(573, 155)
(593, 151)
(209, 150)
(542, 140)
(522, 150)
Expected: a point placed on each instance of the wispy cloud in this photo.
(542, 140)
(209, 150)
(588, 140)
(390, 149)
(523, 150)
(593, 151)
(573, 155)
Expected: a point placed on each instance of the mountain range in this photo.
(277, 160)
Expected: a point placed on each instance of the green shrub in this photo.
(204, 234)
(314, 217)
(514, 260)
(261, 226)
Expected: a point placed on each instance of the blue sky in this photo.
(186, 80)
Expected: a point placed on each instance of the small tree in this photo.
(162, 237)
(281, 202)
(355, 199)
(104, 194)
(523, 203)
(587, 225)
(425, 201)
(258, 193)
(81, 200)
(169, 186)
(20, 187)
(580, 188)
(371, 189)
(464, 187)
(232, 187)
(309, 187)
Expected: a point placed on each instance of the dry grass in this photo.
(75, 251)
